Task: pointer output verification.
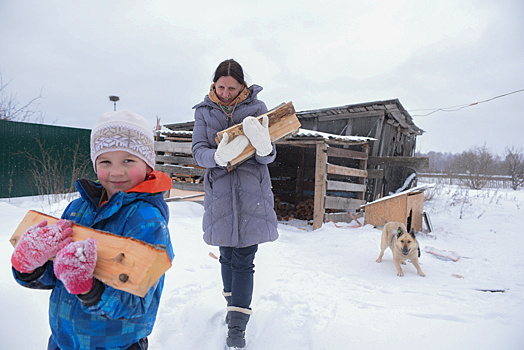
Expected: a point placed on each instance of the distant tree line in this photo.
(479, 162)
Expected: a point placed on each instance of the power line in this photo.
(459, 107)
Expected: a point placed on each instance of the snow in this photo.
(323, 289)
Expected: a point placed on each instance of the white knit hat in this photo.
(123, 131)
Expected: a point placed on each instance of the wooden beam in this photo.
(320, 186)
(299, 186)
(342, 170)
(345, 186)
(343, 203)
(188, 186)
(375, 173)
(176, 160)
(173, 147)
(172, 169)
(345, 153)
(123, 263)
(416, 163)
(348, 115)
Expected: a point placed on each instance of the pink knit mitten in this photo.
(74, 266)
(40, 243)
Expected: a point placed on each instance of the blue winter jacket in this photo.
(118, 319)
(238, 204)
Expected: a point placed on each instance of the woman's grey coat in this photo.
(238, 204)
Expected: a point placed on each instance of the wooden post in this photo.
(320, 185)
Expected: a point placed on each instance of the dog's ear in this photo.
(399, 231)
(412, 232)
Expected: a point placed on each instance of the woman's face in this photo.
(227, 88)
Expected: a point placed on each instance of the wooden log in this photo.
(282, 123)
(123, 263)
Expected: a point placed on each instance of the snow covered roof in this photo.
(301, 133)
(416, 189)
(327, 136)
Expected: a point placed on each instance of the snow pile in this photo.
(323, 289)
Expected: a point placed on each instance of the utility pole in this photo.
(114, 99)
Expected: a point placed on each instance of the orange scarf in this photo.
(157, 181)
(241, 96)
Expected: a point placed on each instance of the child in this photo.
(84, 313)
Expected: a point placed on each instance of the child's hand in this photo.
(74, 266)
(40, 243)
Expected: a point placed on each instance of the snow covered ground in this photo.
(323, 289)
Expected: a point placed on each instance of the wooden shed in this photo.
(391, 158)
(316, 176)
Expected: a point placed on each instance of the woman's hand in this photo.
(258, 134)
(228, 151)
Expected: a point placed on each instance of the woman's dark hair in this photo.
(230, 68)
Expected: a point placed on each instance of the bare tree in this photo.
(53, 171)
(12, 109)
(478, 164)
(513, 163)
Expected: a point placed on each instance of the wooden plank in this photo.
(170, 169)
(299, 188)
(346, 153)
(409, 162)
(342, 170)
(345, 186)
(123, 263)
(188, 186)
(375, 173)
(282, 123)
(343, 203)
(320, 186)
(359, 114)
(173, 147)
(175, 159)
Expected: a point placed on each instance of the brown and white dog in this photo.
(403, 245)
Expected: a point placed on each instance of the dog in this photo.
(403, 245)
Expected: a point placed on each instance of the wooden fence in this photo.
(494, 181)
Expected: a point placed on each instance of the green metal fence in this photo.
(41, 159)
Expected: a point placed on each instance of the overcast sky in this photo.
(159, 57)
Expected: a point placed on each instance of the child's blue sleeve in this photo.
(42, 278)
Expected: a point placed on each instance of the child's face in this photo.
(120, 171)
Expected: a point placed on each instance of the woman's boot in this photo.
(237, 321)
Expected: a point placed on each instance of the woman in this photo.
(238, 204)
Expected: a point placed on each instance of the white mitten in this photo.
(258, 134)
(227, 151)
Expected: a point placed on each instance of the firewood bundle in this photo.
(287, 211)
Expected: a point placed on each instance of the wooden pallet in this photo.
(282, 123)
(123, 263)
